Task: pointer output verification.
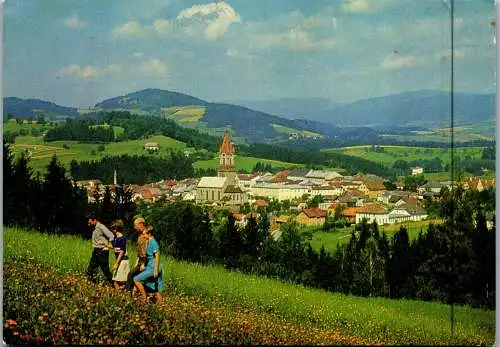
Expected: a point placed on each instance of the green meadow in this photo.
(281, 129)
(41, 152)
(245, 163)
(465, 132)
(330, 239)
(392, 153)
(369, 320)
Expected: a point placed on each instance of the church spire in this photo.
(226, 153)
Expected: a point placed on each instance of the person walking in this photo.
(152, 276)
(142, 242)
(101, 244)
(121, 266)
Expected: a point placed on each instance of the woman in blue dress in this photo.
(151, 278)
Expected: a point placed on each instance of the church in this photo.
(222, 190)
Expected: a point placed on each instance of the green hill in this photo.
(266, 305)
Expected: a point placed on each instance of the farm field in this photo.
(465, 132)
(286, 130)
(41, 152)
(185, 114)
(392, 153)
(245, 163)
(330, 239)
(210, 298)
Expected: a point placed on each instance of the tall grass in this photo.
(373, 319)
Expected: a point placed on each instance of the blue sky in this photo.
(81, 52)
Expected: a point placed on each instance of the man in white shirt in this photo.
(101, 244)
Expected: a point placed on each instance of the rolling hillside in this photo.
(32, 108)
(253, 126)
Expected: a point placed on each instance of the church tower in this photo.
(226, 159)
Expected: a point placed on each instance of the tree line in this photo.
(134, 169)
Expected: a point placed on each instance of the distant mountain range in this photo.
(275, 120)
(420, 108)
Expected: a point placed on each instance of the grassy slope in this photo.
(330, 239)
(393, 153)
(245, 163)
(373, 319)
(43, 152)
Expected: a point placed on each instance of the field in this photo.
(392, 153)
(210, 298)
(41, 152)
(330, 239)
(467, 132)
(245, 163)
(281, 129)
(185, 114)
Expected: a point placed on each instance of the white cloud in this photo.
(224, 15)
(356, 5)
(137, 55)
(236, 54)
(296, 39)
(87, 72)
(153, 67)
(163, 26)
(74, 23)
(367, 6)
(395, 62)
(130, 29)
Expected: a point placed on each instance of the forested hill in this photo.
(256, 126)
(151, 100)
(253, 126)
(32, 108)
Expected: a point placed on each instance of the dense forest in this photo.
(453, 262)
(134, 169)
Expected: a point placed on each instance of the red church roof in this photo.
(227, 146)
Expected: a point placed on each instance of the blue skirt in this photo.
(147, 279)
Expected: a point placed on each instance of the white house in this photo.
(417, 170)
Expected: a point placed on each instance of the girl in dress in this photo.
(151, 278)
(120, 267)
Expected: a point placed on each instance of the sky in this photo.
(77, 53)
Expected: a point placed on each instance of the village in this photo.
(352, 197)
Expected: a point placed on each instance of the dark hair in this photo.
(91, 215)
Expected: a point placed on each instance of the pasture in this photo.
(466, 132)
(40, 152)
(262, 301)
(330, 239)
(245, 163)
(185, 114)
(390, 154)
(281, 129)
